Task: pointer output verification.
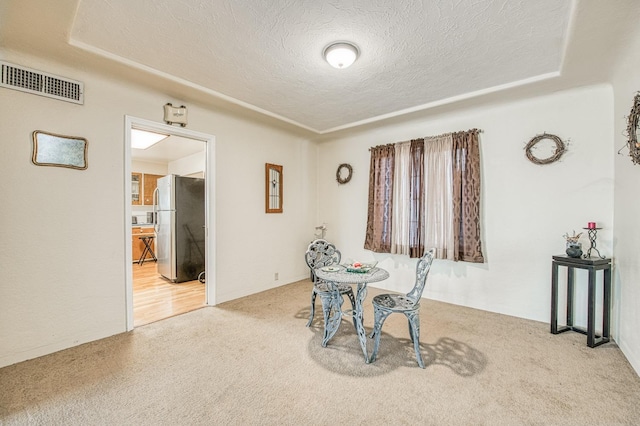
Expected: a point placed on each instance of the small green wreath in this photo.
(342, 180)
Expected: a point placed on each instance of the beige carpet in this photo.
(253, 361)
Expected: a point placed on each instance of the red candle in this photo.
(591, 225)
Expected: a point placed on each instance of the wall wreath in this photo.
(343, 177)
(632, 133)
(560, 149)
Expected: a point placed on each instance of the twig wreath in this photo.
(632, 126)
(342, 180)
(560, 149)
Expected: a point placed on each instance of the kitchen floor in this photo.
(155, 298)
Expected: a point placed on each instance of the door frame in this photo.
(210, 234)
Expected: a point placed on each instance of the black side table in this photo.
(592, 265)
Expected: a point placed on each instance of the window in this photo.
(426, 193)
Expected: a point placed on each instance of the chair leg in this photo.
(313, 306)
(410, 329)
(414, 329)
(379, 317)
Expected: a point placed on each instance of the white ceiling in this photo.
(267, 55)
(419, 58)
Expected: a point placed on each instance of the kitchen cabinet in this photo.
(136, 189)
(142, 187)
(137, 246)
(150, 183)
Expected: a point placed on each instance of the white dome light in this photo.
(341, 55)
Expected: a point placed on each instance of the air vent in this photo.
(41, 83)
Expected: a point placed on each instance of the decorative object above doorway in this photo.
(555, 156)
(344, 172)
(175, 115)
(273, 188)
(632, 130)
(50, 149)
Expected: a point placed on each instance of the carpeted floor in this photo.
(253, 361)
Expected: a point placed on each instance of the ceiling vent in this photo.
(41, 83)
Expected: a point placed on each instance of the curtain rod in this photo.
(444, 134)
(460, 131)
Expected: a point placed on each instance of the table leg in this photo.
(554, 298)
(150, 251)
(358, 316)
(570, 287)
(332, 309)
(144, 253)
(606, 301)
(591, 310)
(147, 250)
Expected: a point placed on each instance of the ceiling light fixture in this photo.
(341, 54)
(142, 139)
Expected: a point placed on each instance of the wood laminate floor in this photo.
(155, 298)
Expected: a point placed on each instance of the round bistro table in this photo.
(343, 276)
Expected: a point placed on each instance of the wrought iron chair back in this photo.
(321, 253)
(422, 270)
(409, 305)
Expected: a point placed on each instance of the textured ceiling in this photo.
(267, 55)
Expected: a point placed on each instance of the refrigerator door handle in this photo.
(155, 210)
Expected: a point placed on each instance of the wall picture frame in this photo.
(50, 149)
(273, 188)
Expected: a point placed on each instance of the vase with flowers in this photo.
(574, 247)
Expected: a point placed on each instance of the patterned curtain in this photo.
(439, 221)
(379, 213)
(426, 193)
(416, 229)
(401, 219)
(466, 197)
(407, 236)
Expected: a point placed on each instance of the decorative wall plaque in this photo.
(273, 188)
(50, 149)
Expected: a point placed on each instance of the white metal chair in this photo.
(322, 253)
(409, 305)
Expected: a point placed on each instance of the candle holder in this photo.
(593, 233)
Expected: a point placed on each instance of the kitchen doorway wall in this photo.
(209, 173)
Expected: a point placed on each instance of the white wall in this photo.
(526, 208)
(62, 255)
(149, 167)
(194, 163)
(626, 83)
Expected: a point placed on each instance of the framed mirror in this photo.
(273, 188)
(632, 130)
(50, 149)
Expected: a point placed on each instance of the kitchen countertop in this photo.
(143, 225)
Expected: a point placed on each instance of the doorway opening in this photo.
(183, 159)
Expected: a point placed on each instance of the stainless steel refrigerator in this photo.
(180, 233)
